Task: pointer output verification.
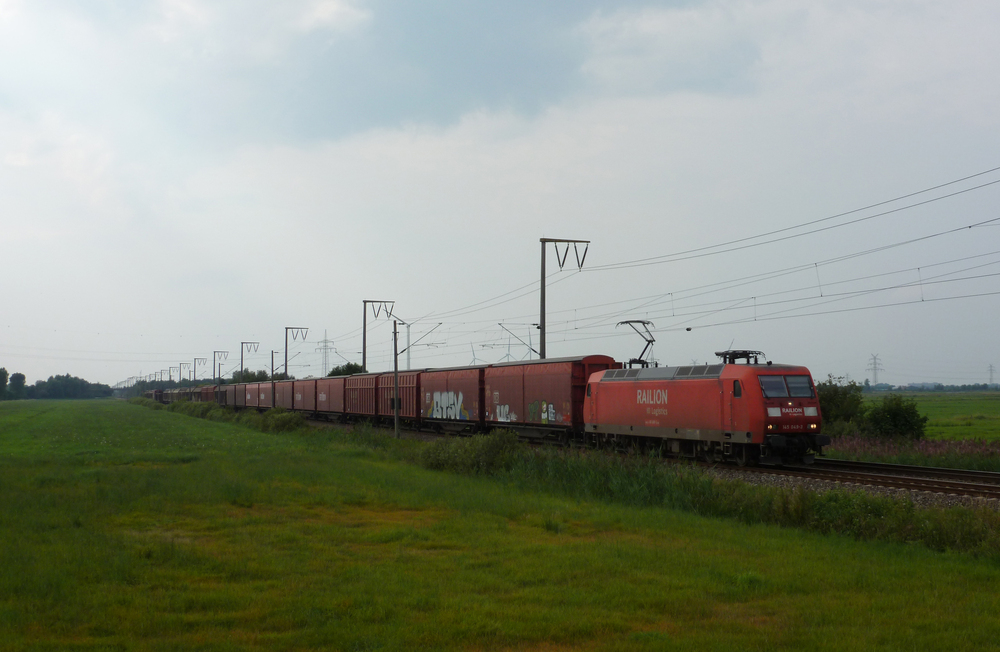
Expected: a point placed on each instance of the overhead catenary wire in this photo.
(462, 332)
(725, 247)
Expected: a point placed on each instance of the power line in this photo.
(701, 252)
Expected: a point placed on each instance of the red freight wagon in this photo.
(207, 393)
(409, 394)
(241, 395)
(227, 395)
(283, 394)
(305, 395)
(330, 394)
(547, 394)
(252, 395)
(359, 395)
(265, 395)
(453, 397)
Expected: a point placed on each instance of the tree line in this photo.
(846, 412)
(13, 387)
(245, 376)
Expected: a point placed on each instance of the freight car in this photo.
(747, 413)
(539, 398)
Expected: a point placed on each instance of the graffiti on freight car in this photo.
(448, 405)
(504, 414)
(544, 412)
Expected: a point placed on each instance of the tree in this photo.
(346, 369)
(3, 383)
(17, 385)
(839, 401)
(895, 416)
(247, 376)
(67, 386)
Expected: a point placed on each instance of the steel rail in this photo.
(985, 477)
(895, 480)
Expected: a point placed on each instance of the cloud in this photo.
(709, 48)
(57, 172)
(271, 163)
(330, 14)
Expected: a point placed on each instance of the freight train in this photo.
(739, 410)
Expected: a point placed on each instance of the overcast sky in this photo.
(180, 176)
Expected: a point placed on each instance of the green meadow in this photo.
(127, 528)
(960, 415)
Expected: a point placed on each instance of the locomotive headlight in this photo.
(770, 426)
(812, 426)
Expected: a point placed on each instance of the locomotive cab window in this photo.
(737, 390)
(786, 386)
(799, 386)
(588, 390)
(773, 386)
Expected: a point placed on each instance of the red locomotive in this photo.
(747, 413)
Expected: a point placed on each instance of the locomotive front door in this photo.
(727, 406)
(739, 420)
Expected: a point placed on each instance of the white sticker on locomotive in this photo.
(651, 396)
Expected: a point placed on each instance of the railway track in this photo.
(961, 475)
(956, 482)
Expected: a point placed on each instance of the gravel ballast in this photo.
(920, 498)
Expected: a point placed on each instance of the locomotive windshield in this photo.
(786, 386)
(799, 386)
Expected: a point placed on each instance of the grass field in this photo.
(963, 431)
(127, 528)
(960, 415)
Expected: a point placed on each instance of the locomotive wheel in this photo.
(744, 456)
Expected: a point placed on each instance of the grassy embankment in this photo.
(963, 431)
(126, 527)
